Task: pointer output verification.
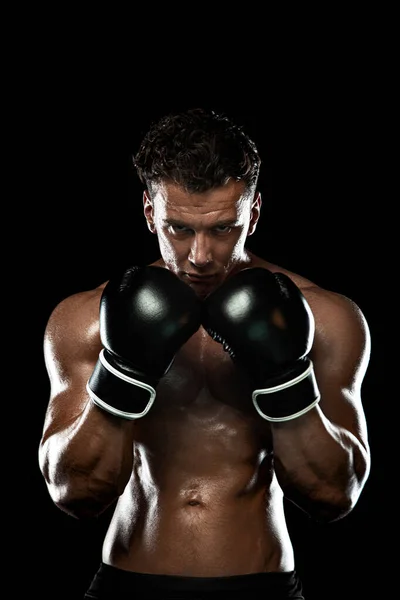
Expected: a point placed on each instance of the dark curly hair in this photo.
(198, 150)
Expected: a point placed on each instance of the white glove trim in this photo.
(283, 386)
(127, 379)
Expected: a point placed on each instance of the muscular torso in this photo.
(197, 477)
(203, 499)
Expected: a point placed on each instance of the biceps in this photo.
(68, 397)
(342, 405)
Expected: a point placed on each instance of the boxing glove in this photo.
(146, 315)
(265, 323)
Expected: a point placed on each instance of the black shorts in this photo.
(117, 584)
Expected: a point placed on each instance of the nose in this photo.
(200, 253)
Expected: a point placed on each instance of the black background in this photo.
(320, 189)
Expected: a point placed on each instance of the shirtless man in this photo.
(196, 393)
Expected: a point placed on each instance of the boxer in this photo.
(195, 393)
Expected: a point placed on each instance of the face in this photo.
(202, 236)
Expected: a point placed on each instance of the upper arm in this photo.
(340, 355)
(71, 347)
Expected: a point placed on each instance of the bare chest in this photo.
(205, 400)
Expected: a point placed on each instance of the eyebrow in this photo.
(223, 223)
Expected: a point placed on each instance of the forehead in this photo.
(229, 200)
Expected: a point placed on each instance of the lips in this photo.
(199, 278)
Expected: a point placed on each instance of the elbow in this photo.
(82, 508)
(329, 511)
(327, 504)
(79, 494)
(323, 511)
(77, 502)
(343, 498)
(333, 499)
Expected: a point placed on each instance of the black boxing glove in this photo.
(265, 323)
(146, 315)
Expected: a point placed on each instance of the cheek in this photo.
(171, 250)
(234, 248)
(237, 252)
(231, 251)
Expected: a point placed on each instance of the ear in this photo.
(148, 211)
(255, 213)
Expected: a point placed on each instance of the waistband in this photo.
(116, 581)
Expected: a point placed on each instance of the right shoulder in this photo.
(75, 318)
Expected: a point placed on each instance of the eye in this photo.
(178, 229)
(223, 229)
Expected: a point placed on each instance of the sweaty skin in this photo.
(198, 482)
(203, 499)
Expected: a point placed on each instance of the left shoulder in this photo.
(339, 321)
(341, 347)
(342, 341)
(329, 307)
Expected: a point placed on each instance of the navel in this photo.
(192, 496)
(194, 503)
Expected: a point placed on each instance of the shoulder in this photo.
(75, 318)
(340, 325)
(327, 305)
(336, 315)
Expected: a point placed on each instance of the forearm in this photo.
(321, 467)
(87, 463)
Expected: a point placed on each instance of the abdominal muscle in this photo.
(203, 500)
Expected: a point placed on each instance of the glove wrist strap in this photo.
(288, 400)
(118, 393)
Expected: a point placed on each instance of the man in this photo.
(198, 392)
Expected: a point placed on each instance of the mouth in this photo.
(202, 284)
(200, 279)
